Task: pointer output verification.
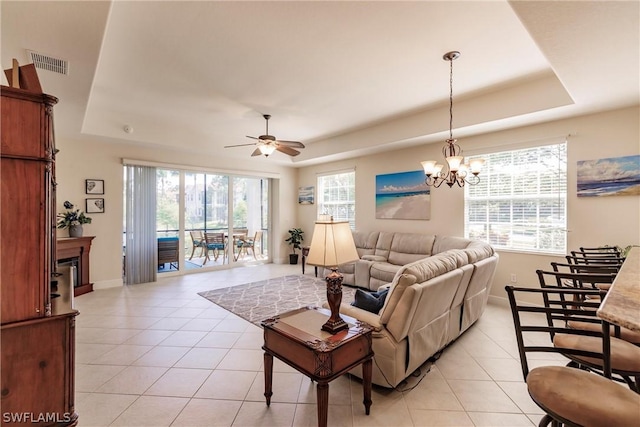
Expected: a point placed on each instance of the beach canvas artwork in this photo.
(617, 176)
(305, 195)
(402, 195)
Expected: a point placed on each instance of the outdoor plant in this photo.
(295, 238)
(72, 216)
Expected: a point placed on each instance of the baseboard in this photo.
(105, 284)
(500, 301)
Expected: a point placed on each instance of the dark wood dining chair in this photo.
(624, 355)
(603, 284)
(567, 395)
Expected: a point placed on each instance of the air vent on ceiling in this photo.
(49, 63)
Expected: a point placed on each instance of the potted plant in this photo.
(294, 240)
(72, 219)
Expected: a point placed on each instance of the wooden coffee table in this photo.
(295, 338)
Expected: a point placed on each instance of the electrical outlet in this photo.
(514, 278)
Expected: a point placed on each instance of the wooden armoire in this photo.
(38, 318)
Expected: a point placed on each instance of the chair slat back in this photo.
(535, 326)
(214, 238)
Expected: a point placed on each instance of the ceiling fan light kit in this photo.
(457, 170)
(267, 144)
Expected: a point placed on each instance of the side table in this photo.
(295, 338)
(305, 254)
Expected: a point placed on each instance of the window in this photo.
(520, 202)
(337, 196)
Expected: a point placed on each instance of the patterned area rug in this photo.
(261, 300)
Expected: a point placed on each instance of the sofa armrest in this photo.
(374, 258)
(363, 273)
(359, 314)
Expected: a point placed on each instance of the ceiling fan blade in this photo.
(253, 137)
(287, 150)
(256, 152)
(296, 144)
(239, 145)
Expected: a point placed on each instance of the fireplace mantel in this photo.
(77, 247)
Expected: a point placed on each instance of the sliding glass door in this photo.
(250, 232)
(207, 220)
(168, 219)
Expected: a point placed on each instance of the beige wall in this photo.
(80, 160)
(591, 221)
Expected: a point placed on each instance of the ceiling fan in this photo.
(267, 144)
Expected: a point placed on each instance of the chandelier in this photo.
(457, 170)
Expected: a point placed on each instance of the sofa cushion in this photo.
(410, 247)
(383, 244)
(444, 243)
(376, 258)
(383, 271)
(477, 251)
(365, 242)
(370, 301)
(431, 267)
(397, 288)
(460, 255)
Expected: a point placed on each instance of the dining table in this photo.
(621, 305)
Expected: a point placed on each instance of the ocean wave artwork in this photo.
(402, 195)
(615, 176)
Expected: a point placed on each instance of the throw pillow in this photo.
(371, 302)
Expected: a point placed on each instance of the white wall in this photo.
(591, 221)
(80, 160)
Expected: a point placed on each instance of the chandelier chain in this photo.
(451, 99)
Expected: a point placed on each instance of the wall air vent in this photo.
(49, 63)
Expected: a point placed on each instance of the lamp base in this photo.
(335, 323)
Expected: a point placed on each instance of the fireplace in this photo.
(71, 262)
(74, 251)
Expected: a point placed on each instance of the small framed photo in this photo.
(94, 206)
(94, 186)
(305, 195)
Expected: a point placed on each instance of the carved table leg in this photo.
(268, 374)
(323, 403)
(366, 384)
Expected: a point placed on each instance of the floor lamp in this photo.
(331, 245)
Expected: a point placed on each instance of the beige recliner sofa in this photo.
(431, 300)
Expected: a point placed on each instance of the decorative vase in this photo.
(75, 230)
(293, 259)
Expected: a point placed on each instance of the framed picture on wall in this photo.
(94, 205)
(306, 195)
(94, 186)
(613, 176)
(402, 195)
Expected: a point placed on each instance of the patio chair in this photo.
(197, 241)
(168, 252)
(244, 244)
(215, 242)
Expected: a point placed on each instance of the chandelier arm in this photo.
(472, 180)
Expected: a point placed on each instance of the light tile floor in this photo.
(158, 354)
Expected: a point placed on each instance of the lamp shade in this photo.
(332, 244)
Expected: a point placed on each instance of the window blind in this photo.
(337, 196)
(520, 202)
